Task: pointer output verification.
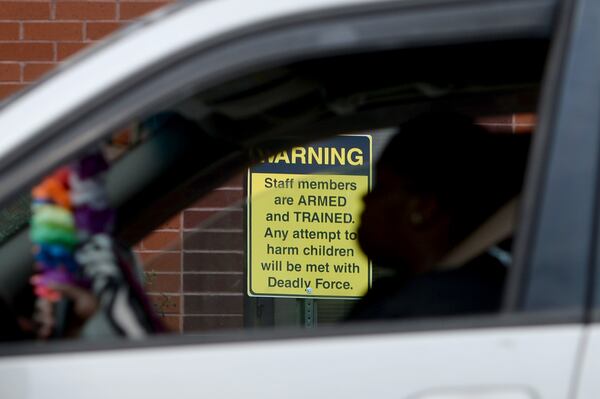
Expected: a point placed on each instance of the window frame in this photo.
(517, 19)
(561, 187)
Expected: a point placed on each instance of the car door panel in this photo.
(506, 363)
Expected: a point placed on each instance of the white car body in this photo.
(494, 362)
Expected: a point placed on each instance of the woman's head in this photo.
(438, 179)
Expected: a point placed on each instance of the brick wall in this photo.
(195, 263)
(35, 36)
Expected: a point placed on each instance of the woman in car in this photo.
(437, 180)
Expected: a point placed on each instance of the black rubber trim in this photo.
(593, 288)
(569, 122)
(537, 166)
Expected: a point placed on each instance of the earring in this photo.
(416, 218)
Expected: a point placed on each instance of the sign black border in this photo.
(249, 290)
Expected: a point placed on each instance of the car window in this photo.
(243, 203)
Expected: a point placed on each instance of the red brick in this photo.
(231, 283)
(159, 283)
(9, 31)
(24, 51)
(224, 241)
(214, 304)
(173, 223)
(236, 181)
(53, 31)
(525, 119)
(163, 240)
(65, 50)
(10, 72)
(8, 89)
(134, 10)
(221, 199)
(24, 10)
(166, 304)
(226, 219)
(216, 262)
(524, 123)
(524, 129)
(208, 323)
(86, 10)
(98, 30)
(161, 262)
(33, 72)
(172, 323)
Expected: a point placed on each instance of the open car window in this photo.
(274, 247)
(243, 202)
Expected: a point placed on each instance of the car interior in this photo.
(178, 153)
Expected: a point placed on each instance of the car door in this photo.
(529, 351)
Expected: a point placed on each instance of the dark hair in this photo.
(470, 171)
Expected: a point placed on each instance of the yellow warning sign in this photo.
(302, 239)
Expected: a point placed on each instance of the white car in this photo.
(271, 74)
